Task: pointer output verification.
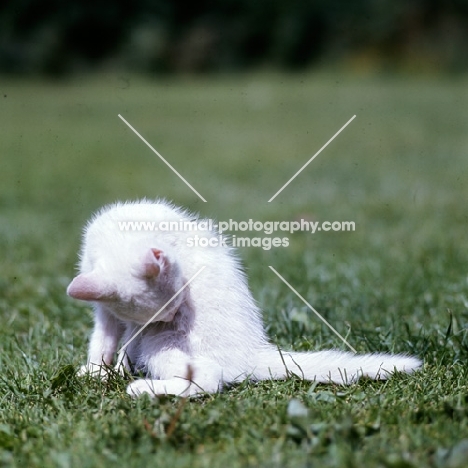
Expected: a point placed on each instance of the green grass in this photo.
(398, 283)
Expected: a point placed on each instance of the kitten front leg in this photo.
(128, 350)
(103, 344)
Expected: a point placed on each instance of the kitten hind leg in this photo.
(180, 387)
(200, 377)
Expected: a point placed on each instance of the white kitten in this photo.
(211, 333)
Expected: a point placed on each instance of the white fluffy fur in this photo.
(211, 334)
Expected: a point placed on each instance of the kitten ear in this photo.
(87, 287)
(153, 261)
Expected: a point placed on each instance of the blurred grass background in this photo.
(397, 170)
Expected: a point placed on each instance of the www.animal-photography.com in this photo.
(234, 234)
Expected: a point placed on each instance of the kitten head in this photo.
(134, 286)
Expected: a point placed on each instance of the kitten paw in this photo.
(122, 370)
(140, 387)
(153, 388)
(123, 366)
(93, 370)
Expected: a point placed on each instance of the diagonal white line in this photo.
(311, 159)
(312, 309)
(160, 157)
(160, 310)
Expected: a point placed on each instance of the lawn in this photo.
(398, 283)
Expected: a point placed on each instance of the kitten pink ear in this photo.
(153, 261)
(87, 287)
